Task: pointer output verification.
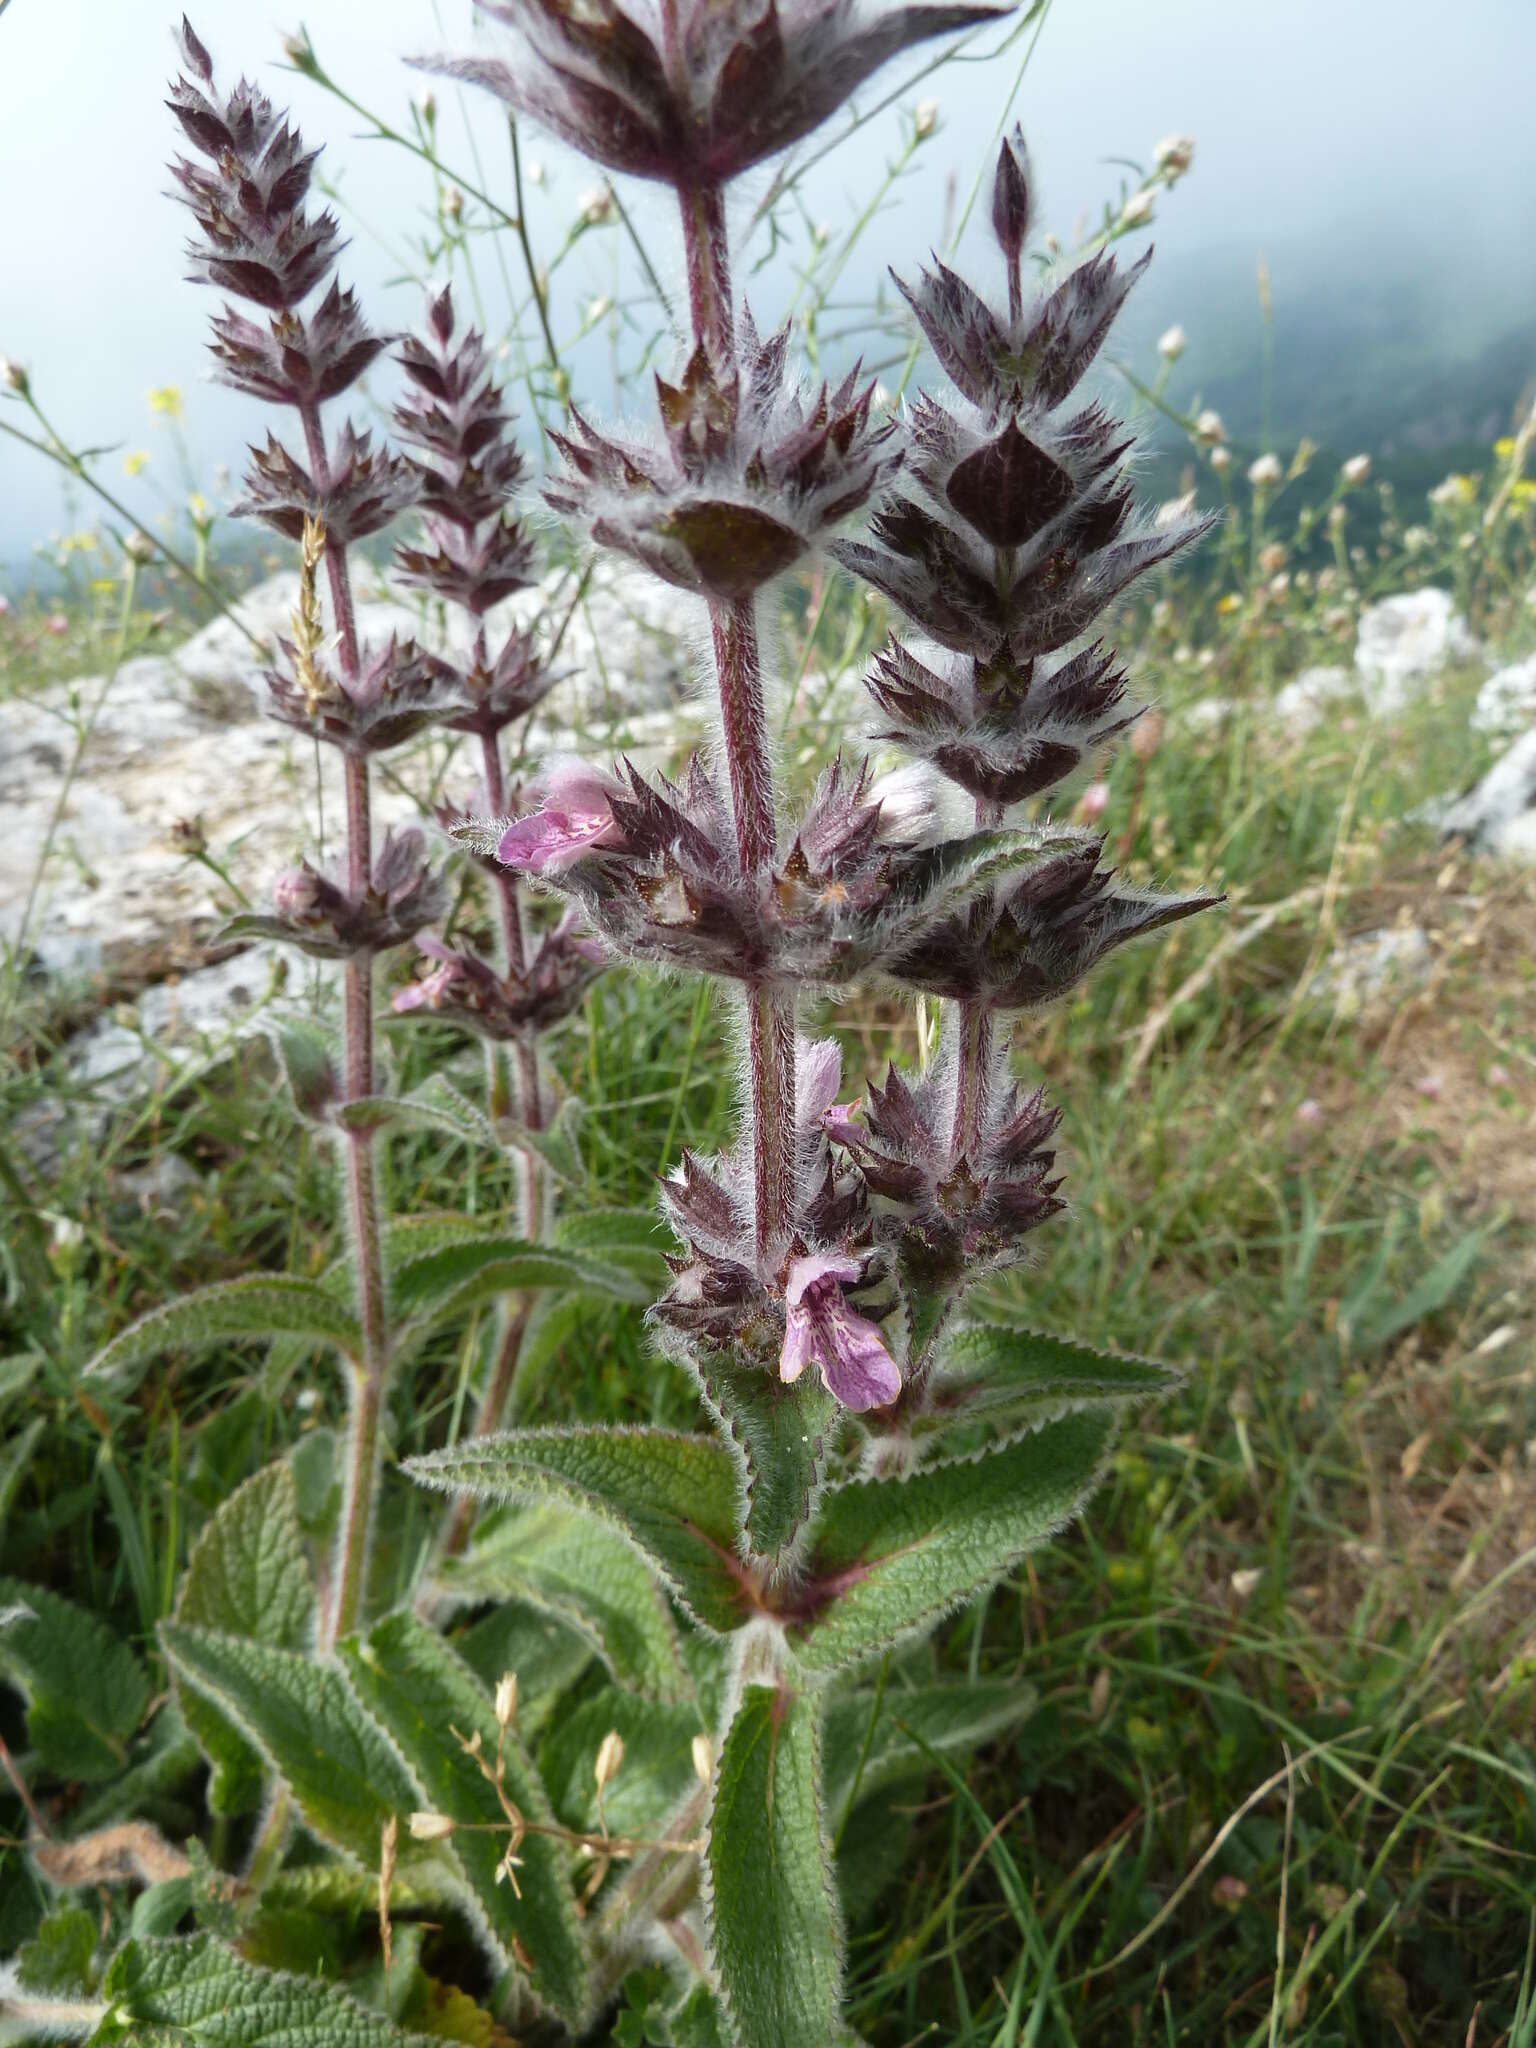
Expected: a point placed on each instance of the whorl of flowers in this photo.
(700, 90)
(746, 480)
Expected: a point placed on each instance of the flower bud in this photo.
(453, 203)
(1221, 458)
(295, 893)
(926, 119)
(1266, 472)
(506, 1699)
(1272, 558)
(138, 547)
(1147, 734)
(1210, 427)
(1174, 155)
(610, 1759)
(300, 52)
(430, 1827)
(1092, 804)
(1172, 344)
(596, 207)
(1011, 196)
(1137, 210)
(13, 375)
(426, 106)
(703, 1759)
(1357, 470)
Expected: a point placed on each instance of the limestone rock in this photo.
(1506, 703)
(1402, 641)
(1303, 704)
(1498, 815)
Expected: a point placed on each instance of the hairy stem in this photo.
(975, 1060)
(360, 1482)
(743, 715)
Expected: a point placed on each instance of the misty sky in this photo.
(1334, 136)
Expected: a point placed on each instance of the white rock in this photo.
(1205, 713)
(1506, 703)
(1302, 704)
(1371, 964)
(1498, 815)
(1402, 641)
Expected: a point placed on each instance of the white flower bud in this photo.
(506, 1699)
(1221, 458)
(453, 202)
(1172, 344)
(1174, 155)
(430, 1827)
(1137, 210)
(1266, 472)
(1356, 470)
(1210, 427)
(926, 119)
(13, 375)
(596, 207)
(610, 1758)
(537, 173)
(1172, 510)
(426, 106)
(703, 1759)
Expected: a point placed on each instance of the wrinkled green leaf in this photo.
(305, 1053)
(196, 1993)
(433, 1286)
(1001, 1373)
(584, 1574)
(698, 2021)
(771, 1900)
(57, 1959)
(422, 1693)
(263, 1305)
(86, 1691)
(657, 1774)
(306, 1721)
(902, 1554)
(247, 1576)
(435, 1106)
(557, 1143)
(632, 1238)
(952, 1716)
(13, 1464)
(672, 1496)
(784, 1435)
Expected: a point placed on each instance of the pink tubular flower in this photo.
(849, 1349)
(429, 992)
(574, 817)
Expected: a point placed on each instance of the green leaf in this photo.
(584, 1574)
(654, 1780)
(436, 1106)
(304, 1050)
(309, 1725)
(632, 1238)
(771, 1899)
(672, 1496)
(434, 1285)
(161, 1764)
(58, 1957)
(557, 1143)
(783, 1435)
(86, 1691)
(557, 1323)
(196, 1993)
(422, 1693)
(248, 1575)
(14, 1461)
(698, 2022)
(999, 1373)
(951, 1716)
(901, 1554)
(262, 1305)
(547, 1657)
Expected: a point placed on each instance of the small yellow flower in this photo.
(166, 399)
(1504, 447)
(1230, 603)
(197, 505)
(1524, 492)
(136, 460)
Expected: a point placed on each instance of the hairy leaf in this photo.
(890, 1558)
(999, 1373)
(632, 1238)
(247, 1576)
(771, 1899)
(263, 1305)
(422, 1693)
(673, 1497)
(583, 1573)
(949, 1715)
(307, 1722)
(196, 1993)
(783, 1435)
(433, 1285)
(657, 1774)
(86, 1691)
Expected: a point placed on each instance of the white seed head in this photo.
(1221, 458)
(610, 1758)
(1172, 510)
(1266, 472)
(703, 1759)
(1210, 427)
(1172, 344)
(1356, 470)
(430, 1827)
(506, 1699)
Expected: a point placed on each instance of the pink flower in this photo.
(57, 623)
(819, 1325)
(574, 817)
(428, 993)
(5, 605)
(1093, 803)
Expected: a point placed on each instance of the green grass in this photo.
(1281, 1785)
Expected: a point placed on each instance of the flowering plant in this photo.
(878, 1454)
